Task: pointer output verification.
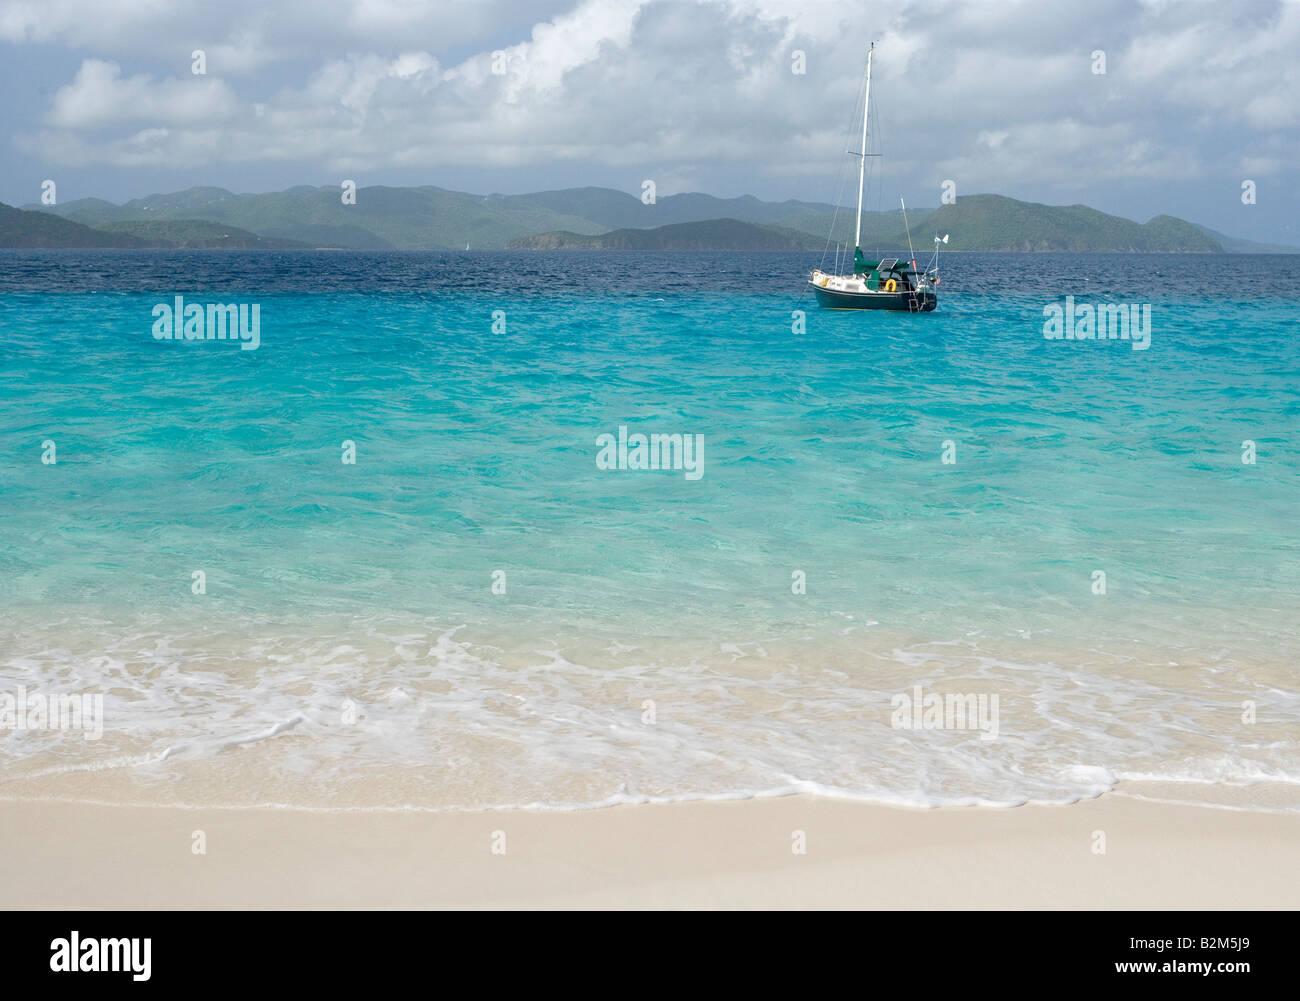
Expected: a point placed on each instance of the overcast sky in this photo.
(699, 96)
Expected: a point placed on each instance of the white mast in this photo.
(862, 162)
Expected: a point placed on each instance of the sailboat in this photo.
(881, 284)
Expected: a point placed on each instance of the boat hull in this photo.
(907, 302)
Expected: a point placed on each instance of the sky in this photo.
(1196, 99)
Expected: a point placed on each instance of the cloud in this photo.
(244, 35)
(99, 96)
(979, 92)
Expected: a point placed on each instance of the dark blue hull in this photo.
(907, 302)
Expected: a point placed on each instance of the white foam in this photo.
(259, 717)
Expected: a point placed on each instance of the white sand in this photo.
(684, 855)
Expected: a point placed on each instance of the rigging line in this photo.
(840, 182)
(839, 196)
(842, 174)
(879, 132)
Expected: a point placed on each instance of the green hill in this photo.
(997, 223)
(607, 208)
(425, 218)
(713, 234)
(619, 210)
(431, 218)
(19, 228)
(195, 234)
(878, 228)
(88, 211)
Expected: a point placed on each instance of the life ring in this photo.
(891, 285)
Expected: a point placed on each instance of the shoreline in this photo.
(696, 854)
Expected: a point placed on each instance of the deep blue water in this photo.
(1235, 277)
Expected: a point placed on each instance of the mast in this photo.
(862, 161)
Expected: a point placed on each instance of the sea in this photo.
(398, 550)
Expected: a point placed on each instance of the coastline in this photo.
(698, 854)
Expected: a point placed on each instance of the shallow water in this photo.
(349, 649)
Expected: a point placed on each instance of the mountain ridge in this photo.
(711, 234)
(432, 218)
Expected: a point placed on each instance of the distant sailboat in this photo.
(883, 284)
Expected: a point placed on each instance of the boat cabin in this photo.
(878, 273)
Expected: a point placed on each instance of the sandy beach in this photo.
(734, 854)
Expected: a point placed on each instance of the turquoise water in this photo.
(370, 584)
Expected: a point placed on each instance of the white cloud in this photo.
(244, 35)
(100, 96)
(980, 92)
